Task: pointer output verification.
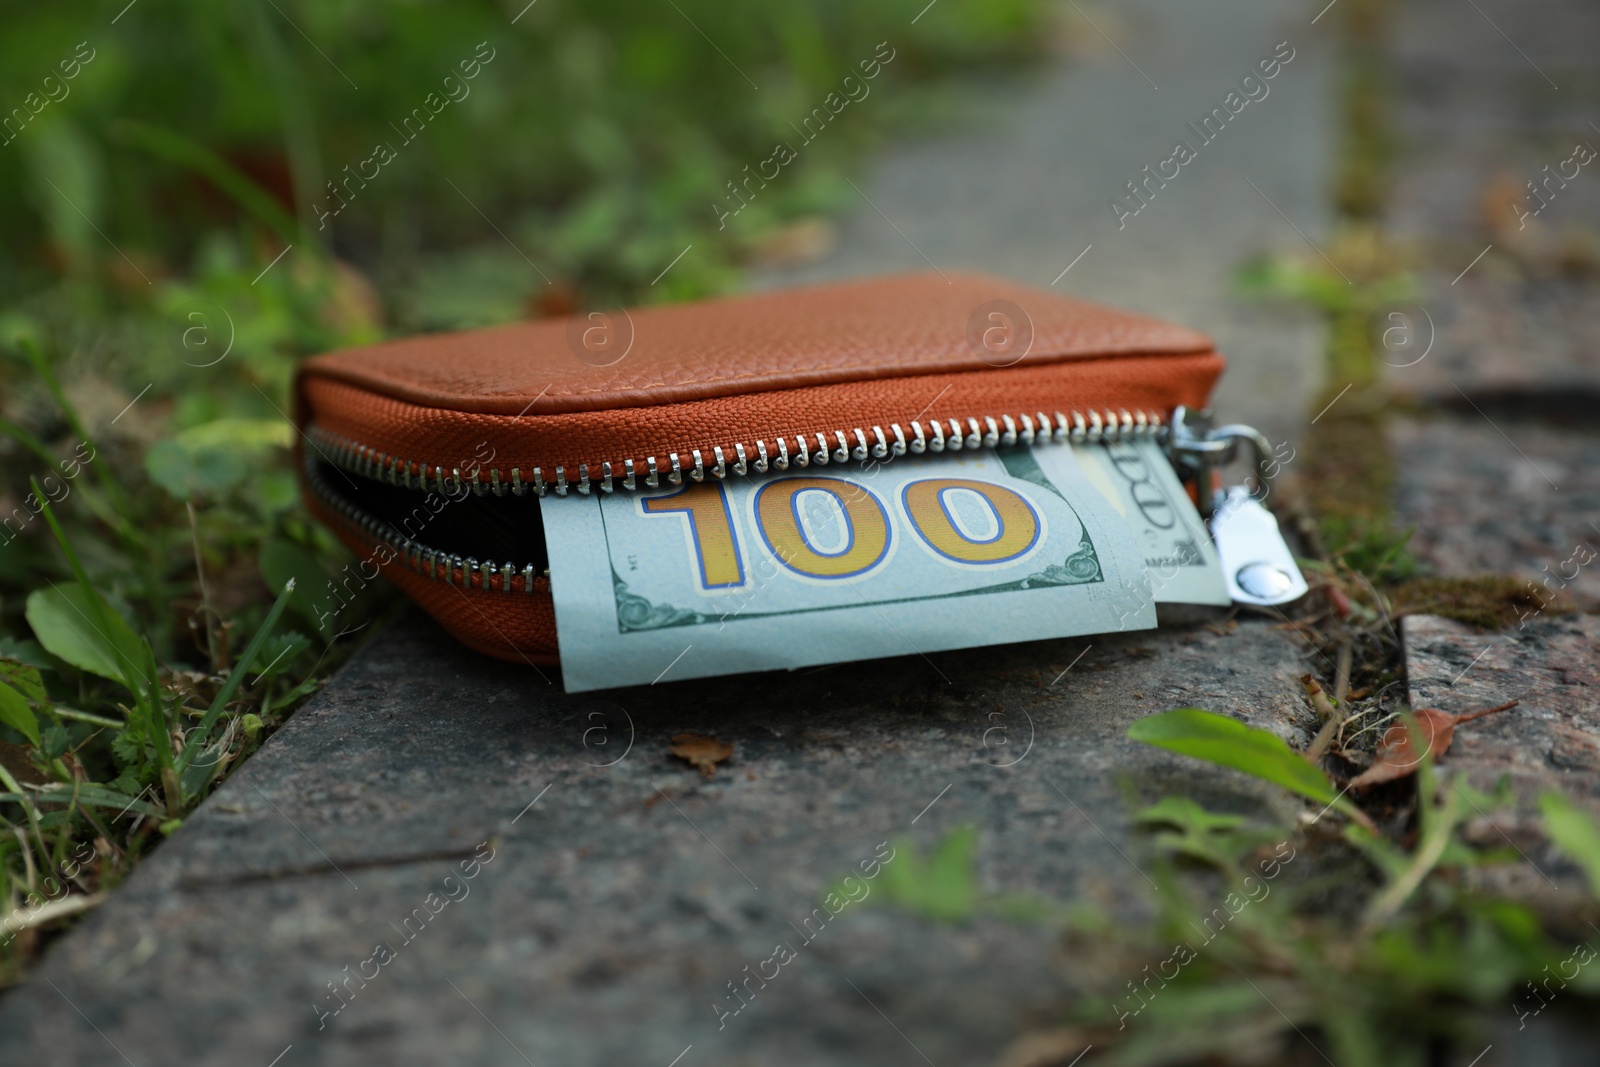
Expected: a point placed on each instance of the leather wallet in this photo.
(428, 456)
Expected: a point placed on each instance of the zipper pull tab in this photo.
(1256, 561)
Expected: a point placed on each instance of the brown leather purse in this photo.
(428, 455)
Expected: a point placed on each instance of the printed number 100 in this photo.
(931, 506)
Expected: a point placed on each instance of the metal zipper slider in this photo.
(1256, 561)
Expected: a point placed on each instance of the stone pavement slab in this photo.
(1487, 494)
(1484, 93)
(1490, 98)
(621, 891)
(1502, 476)
(1505, 337)
(1551, 740)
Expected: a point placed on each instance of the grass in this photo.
(1274, 944)
(162, 591)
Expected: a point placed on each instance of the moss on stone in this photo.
(1488, 601)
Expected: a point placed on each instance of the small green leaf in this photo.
(281, 560)
(213, 456)
(237, 435)
(1185, 814)
(1574, 833)
(950, 888)
(63, 619)
(185, 472)
(54, 742)
(1221, 740)
(1201, 834)
(943, 888)
(24, 677)
(15, 713)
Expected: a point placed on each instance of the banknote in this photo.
(1180, 560)
(836, 563)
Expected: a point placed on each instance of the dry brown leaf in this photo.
(701, 751)
(1399, 753)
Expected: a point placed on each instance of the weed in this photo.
(1263, 941)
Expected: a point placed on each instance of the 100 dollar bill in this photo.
(1180, 561)
(835, 564)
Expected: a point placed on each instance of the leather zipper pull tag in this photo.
(1256, 561)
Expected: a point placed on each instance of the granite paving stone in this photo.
(1502, 338)
(621, 899)
(1551, 664)
(1482, 96)
(1485, 100)
(1486, 494)
(1498, 473)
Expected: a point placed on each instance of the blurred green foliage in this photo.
(596, 137)
(171, 249)
(1263, 943)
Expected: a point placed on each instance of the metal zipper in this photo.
(981, 432)
(471, 573)
(420, 558)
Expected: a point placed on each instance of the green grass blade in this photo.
(1437, 832)
(28, 441)
(87, 794)
(158, 712)
(63, 712)
(198, 736)
(16, 795)
(41, 451)
(174, 147)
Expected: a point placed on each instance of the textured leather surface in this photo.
(914, 324)
(451, 438)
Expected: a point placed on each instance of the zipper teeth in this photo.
(988, 431)
(418, 557)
